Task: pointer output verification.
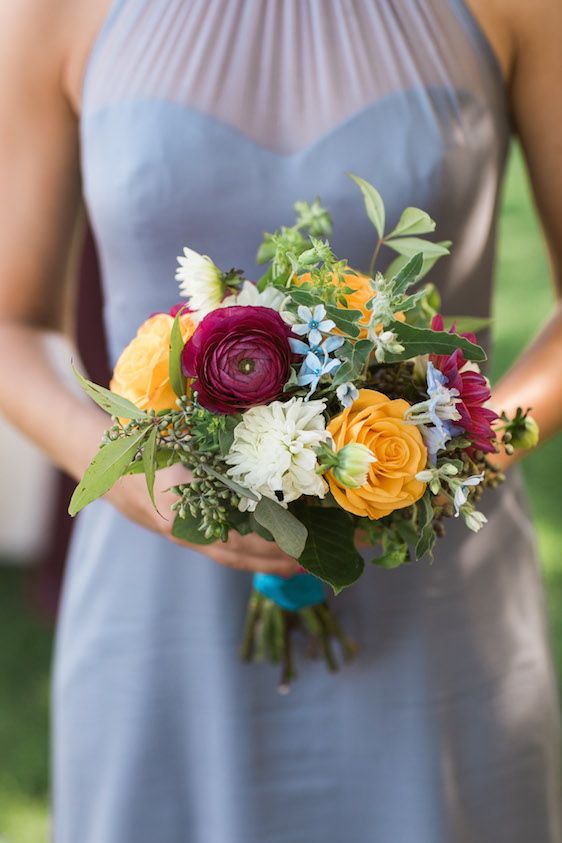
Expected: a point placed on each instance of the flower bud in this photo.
(352, 467)
(526, 434)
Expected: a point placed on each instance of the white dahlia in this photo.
(274, 450)
(200, 281)
(248, 294)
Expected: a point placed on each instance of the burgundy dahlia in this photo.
(240, 357)
(476, 419)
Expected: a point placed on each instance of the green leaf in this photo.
(346, 320)
(226, 434)
(408, 274)
(425, 341)
(187, 529)
(109, 401)
(406, 529)
(300, 296)
(468, 324)
(427, 535)
(164, 459)
(231, 484)
(287, 530)
(396, 265)
(330, 552)
(410, 246)
(265, 280)
(266, 251)
(257, 528)
(109, 464)
(373, 204)
(177, 377)
(413, 221)
(355, 362)
(395, 551)
(149, 462)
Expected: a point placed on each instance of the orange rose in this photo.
(377, 422)
(361, 293)
(141, 373)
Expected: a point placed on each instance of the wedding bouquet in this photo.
(316, 402)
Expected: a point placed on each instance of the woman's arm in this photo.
(530, 51)
(40, 204)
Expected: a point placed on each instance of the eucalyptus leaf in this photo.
(354, 361)
(109, 401)
(287, 530)
(373, 204)
(257, 528)
(330, 552)
(187, 529)
(410, 246)
(413, 221)
(177, 377)
(109, 464)
(164, 459)
(149, 462)
(231, 484)
(226, 434)
(418, 341)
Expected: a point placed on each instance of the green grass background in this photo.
(523, 299)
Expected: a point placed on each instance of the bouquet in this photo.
(320, 401)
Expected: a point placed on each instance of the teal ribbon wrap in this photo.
(291, 593)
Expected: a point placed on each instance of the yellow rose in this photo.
(141, 373)
(377, 422)
(361, 293)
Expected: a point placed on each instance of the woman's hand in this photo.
(249, 553)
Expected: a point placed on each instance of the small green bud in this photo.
(526, 434)
(352, 466)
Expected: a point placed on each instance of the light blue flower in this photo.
(347, 394)
(313, 368)
(314, 323)
(462, 490)
(439, 411)
(330, 344)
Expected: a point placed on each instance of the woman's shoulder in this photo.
(50, 40)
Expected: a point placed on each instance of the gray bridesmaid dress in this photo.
(203, 121)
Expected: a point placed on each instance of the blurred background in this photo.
(30, 556)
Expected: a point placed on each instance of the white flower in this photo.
(462, 488)
(347, 394)
(386, 341)
(249, 295)
(474, 520)
(274, 450)
(201, 281)
(353, 464)
(314, 323)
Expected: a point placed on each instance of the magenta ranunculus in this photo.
(476, 419)
(240, 357)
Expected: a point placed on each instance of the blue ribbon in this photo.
(291, 593)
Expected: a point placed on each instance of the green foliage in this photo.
(373, 204)
(354, 357)
(109, 464)
(413, 221)
(288, 531)
(149, 462)
(395, 551)
(177, 377)
(418, 341)
(426, 531)
(410, 246)
(186, 528)
(330, 551)
(109, 401)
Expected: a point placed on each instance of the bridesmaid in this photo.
(200, 122)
